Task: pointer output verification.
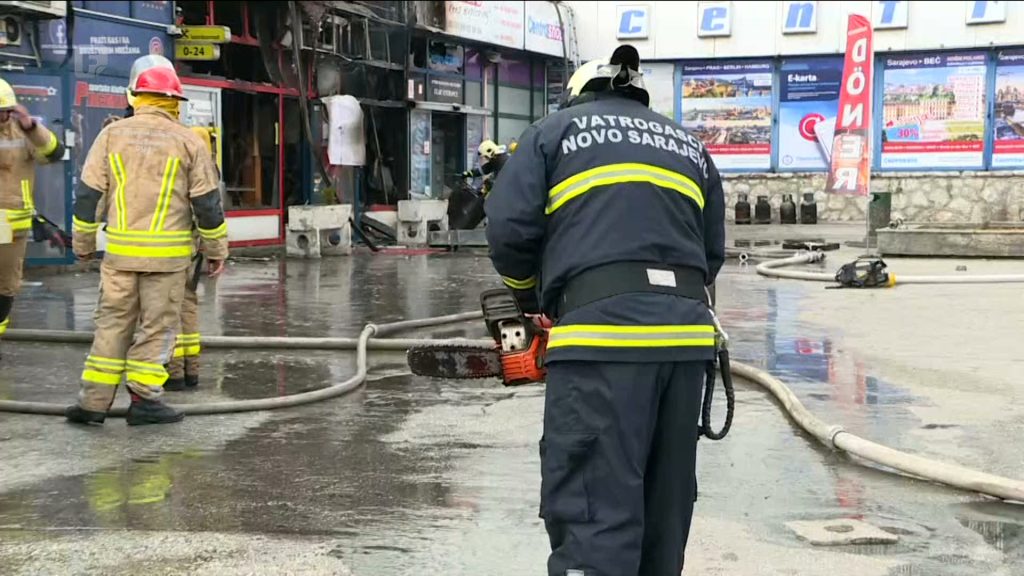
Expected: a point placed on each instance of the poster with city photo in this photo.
(933, 111)
(1008, 148)
(728, 105)
(808, 95)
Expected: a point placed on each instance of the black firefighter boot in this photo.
(80, 415)
(142, 412)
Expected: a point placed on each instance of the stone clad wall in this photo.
(977, 197)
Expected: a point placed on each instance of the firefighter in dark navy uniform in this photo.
(610, 219)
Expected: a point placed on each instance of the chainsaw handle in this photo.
(541, 321)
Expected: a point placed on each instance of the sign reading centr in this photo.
(633, 21)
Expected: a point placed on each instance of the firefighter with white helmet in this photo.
(150, 177)
(492, 159)
(610, 219)
(24, 142)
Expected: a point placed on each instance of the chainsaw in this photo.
(520, 344)
(518, 353)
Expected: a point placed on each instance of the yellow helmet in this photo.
(488, 149)
(8, 99)
(204, 135)
(620, 72)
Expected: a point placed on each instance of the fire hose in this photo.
(833, 437)
(773, 269)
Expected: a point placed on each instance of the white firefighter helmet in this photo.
(8, 99)
(488, 149)
(140, 65)
(620, 72)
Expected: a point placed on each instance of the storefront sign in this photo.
(934, 111)
(543, 31)
(445, 90)
(890, 14)
(215, 34)
(800, 17)
(633, 21)
(196, 51)
(1008, 149)
(495, 22)
(728, 105)
(714, 19)
(850, 164)
(100, 46)
(982, 12)
(808, 95)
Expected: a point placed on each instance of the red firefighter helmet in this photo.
(159, 80)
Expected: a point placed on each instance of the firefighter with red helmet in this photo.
(149, 177)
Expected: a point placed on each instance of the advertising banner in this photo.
(1008, 146)
(728, 105)
(660, 83)
(495, 22)
(543, 34)
(94, 100)
(850, 163)
(808, 95)
(934, 111)
(100, 46)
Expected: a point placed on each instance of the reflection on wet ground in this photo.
(411, 475)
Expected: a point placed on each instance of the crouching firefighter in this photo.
(492, 159)
(609, 219)
(149, 176)
(24, 142)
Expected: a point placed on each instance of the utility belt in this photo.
(617, 278)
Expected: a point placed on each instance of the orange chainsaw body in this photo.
(521, 339)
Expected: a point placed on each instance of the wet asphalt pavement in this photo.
(417, 476)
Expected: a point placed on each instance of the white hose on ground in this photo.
(832, 436)
(772, 269)
(836, 438)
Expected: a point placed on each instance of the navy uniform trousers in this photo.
(618, 458)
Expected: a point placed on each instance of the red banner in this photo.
(850, 168)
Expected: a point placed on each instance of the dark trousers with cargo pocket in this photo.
(618, 459)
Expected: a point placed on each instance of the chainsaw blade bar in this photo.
(456, 362)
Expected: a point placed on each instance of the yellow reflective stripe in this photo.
(83, 226)
(145, 367)
(19, 225)
(166, 191)
(26, 196)
(101, 378)
(214, 233)
(519, 284)
(112, 363)
(607, 336)
(3, 326)
(146, 378)
(50, 145)
(117, 169)
(188, 338)
(612, 329)
(189, 351)
(149, 251)
(618, 174)
(144, 235)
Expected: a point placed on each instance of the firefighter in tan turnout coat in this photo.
(148, 176)
(23, 143)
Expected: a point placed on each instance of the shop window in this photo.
(474, 136)
(538, 104)
(474, 94)
(250, 149)
(512, 72)
(510, 129)
(445, 57)
(419, 153)
(489, 131)
(514, 100)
